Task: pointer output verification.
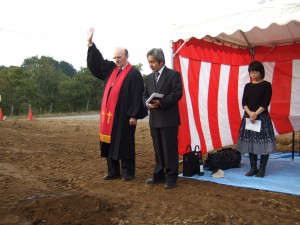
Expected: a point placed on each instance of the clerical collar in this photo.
(124, 66)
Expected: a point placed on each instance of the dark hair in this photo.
(158, 54)
(257, 66)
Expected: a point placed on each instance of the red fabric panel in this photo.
(213, 105)
(210, 52)
(278, 54)
(199, 50)
(184, 137)
(282, 81)
(281, 97)
(194, 70)
(233, 103)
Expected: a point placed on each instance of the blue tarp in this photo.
(282, 175)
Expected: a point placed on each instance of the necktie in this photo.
(156, 77)
(120, 70)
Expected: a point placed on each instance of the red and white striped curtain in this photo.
(214, 77)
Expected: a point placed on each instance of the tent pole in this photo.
(179, 48)
(252, 53)
(248, 44)
(293, 145)
(274, 46)
(246, 39)
(172, 57)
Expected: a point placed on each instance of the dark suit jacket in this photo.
(169, 84)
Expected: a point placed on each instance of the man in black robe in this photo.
(121, 107)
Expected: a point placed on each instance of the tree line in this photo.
(49, 86)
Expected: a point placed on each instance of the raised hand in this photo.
(90, 33)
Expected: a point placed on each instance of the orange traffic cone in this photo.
(1, 115)
(30, 115)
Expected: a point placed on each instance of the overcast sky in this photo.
(58, 28)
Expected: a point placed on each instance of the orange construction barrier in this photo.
(30, 115)
(1, 115)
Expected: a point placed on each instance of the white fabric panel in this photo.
(184, 63)
(224, 127)
(269, 72)
(203, 102)
(243, 80)
(295, 96)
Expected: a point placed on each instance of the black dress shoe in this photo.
(128, 178)
(170, 185)
(109, 177)
(152, 181)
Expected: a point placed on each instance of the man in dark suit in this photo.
(164, 118)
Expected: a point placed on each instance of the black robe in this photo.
(129, 104)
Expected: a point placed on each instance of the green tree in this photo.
(14, 89)
(67, 68)
(81, 93)
(49, 86)
(138, 66)
(46, 76)
(91, 87)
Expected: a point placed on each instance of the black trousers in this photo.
(128, 167)
(165, 142)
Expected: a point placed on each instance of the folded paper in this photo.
(253, 126)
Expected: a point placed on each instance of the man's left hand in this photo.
(132, 121)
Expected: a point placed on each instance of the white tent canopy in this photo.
(270, 22)
(212, 51)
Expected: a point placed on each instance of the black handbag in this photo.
(223, 159)
(190, 162)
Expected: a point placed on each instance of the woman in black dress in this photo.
(256, 99)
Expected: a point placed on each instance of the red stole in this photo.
(108, 105)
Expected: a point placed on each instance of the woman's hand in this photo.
(252, 116)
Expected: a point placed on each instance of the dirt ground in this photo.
(51, 173)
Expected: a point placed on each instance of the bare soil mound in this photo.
(51, 173)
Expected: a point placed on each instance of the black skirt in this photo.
(260, 143)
